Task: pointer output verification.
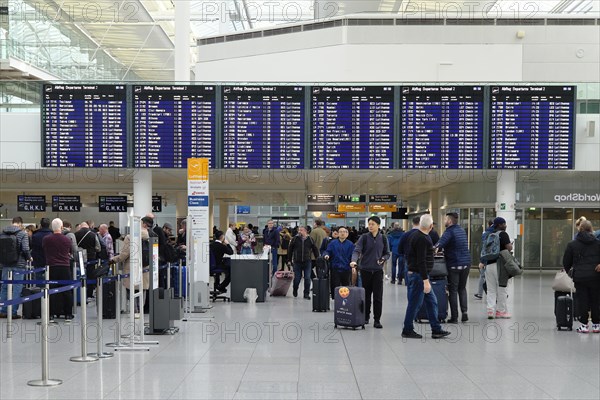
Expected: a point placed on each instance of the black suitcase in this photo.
(438, 286)
(349, 307)
(321, 297)
(108, 300)
(32, 309)
(322, 268)
(564, 310)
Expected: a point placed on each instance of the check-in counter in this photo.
(249, 271)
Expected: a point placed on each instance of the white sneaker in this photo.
(583, 329)
(596, 328)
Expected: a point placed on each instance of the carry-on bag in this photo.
(349, 307)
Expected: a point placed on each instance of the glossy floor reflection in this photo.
(282, 350)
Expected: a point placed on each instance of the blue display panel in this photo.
(84, 126)
(532, 127)
(442, 127)
(352, 127)
(172, 123)
(263, 127)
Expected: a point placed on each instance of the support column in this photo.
(142, 192)
(181, 209)
(506, 192)
(182, 40)
(223, 216)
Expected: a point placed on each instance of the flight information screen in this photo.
(263, 127)
(172, 123)
(442, 127)
(352, 127)
(84, 126)
(532, 127)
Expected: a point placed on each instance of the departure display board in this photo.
(84, 126)
(532, 127)
(442, 127)
(263, 127)
(352, 127)
(172, 123)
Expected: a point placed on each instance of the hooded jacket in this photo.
(22, 245)
(583, 255)
(394, 237)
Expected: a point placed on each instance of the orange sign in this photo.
(352, 208)
(336, 215)
(382, 208)
(197, 169)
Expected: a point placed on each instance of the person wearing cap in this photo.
(496, 294)
(372, 249)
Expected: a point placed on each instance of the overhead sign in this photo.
(382, 208)
(320, 198)
(383, 198)
(156, 204)
(352, 198)
(112, 204)
(66, 203)
(31, 203)
(352, 208)
(243, 210)
(321, 207)
(336, 215)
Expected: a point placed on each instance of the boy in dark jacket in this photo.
(300, 250)
(583, 256)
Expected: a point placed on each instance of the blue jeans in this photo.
(481, 281)
(246, 250)
(18, 274)
(274, 258)
(299, 269)
(416, 296)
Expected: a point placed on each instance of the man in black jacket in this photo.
(299, 251)
(420, 263)
(218, 249)
(89, 242)
(37, 251)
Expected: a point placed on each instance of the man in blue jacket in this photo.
(339, 251)
(458, 261)
(271, 238)
(37, 251)
(394, 237)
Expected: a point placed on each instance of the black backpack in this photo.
(9, 249)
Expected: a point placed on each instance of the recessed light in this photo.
(390, 176)
(319, 186)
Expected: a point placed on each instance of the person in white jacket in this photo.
(231, 238)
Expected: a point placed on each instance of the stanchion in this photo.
(74, 312)
(99, 351)
(47, 286)
(168, 275)
(118, 342)
(45, 381)
(84, 357)
(9, 297)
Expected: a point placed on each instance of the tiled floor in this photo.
(282, 350)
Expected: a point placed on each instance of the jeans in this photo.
(301, 268)
(18, 274)
(403, 270)
(274, 260)
(481, 281)
(457, 286)
(395, 267)
(496, 295)
(416, 295)
(246, 250)
(373, 283)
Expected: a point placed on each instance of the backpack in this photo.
(103, 255)
(145, 252)
(9, 249)
(285, 243)
(490, 246)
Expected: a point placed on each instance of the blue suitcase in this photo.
(175, 280)
(438, 286)
(349, 307)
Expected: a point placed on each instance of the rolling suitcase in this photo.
(349, 307)
(564, 310)
(109, 291)
(438, 287)
(321, 296)
(280, 284)
(31, 309)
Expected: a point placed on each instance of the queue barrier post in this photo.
(117, 342)
(84, 357)
(99, 351)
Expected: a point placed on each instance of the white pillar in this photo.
(182, 40)
(142, 192)
(506, 193)
(181, 206)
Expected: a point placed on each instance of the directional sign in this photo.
(31, 203)
(112, 204)
(66, 203)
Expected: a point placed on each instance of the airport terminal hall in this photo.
(300, 199)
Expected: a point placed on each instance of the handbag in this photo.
(512, 266)
(439, 270)
(563, 282)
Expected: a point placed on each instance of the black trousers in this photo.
(226, 267)
(372, 281)
(457, 287)
(339, 278)
(61, 303)
(588, 299)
